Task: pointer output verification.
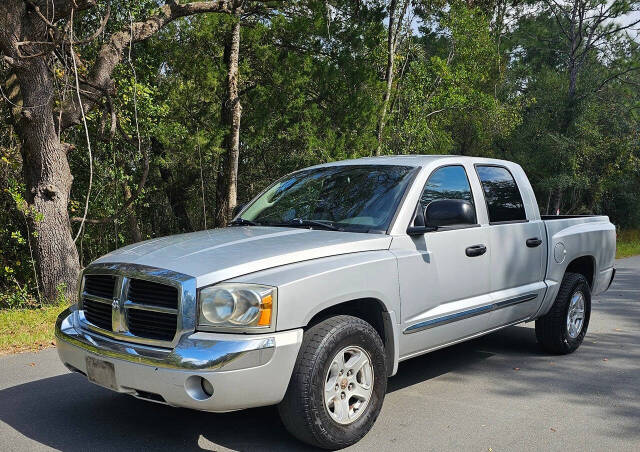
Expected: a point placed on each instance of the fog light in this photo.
(207, 387)
(198, 387)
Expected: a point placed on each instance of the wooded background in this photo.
(127, 120)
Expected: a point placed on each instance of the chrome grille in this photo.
(131, 308)
(97, 298)
(98, 313)
(154, 325)
(150, 293)
(100, 286)
(152, 309)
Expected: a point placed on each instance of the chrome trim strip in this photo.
(516, 300)
(463, 339)
(118, 319)
(449, 318)
(88, 296)
(147, 307)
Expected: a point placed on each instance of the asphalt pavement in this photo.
(499, 392)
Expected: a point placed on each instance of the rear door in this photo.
(516, 236)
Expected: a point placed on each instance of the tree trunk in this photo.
(132, 218)
(388, 74)
(48, 182)
(46, 170)
(227, 182)
(556, 202)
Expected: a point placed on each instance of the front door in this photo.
(444, 275)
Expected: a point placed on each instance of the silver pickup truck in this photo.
(328, 279)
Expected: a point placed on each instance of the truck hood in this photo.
(219, 254)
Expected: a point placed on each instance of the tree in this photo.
(588, 29)
(309, 81)
(447, 103)
(396, 18)
(34, 37)
(571, 73)
(227, 185)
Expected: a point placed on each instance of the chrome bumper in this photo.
(245, 370)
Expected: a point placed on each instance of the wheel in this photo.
(563, 328)
(338, 383)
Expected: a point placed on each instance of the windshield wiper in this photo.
(243, 222)
(299, 222)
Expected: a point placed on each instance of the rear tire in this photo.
(561, 330)
(320, 390)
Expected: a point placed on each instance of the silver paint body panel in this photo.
(433, 294)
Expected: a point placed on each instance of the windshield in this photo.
(358, 198)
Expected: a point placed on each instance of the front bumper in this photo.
(245, 370)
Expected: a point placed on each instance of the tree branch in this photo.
(613, 77)
(101, 27)
(111, 53)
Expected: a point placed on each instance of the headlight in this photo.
(237, 306)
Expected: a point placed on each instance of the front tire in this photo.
(562, 329)
(338, 383)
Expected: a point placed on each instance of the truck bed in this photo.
(578, 240)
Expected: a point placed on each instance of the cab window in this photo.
(501, 192)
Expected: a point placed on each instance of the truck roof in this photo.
(412, 160)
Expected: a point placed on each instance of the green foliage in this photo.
(447, 102)
(583, 153)
(17, 279)
(628, 243)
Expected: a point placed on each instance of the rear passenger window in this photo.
(501, 193)
(448, 182)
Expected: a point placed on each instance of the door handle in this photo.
(532, 243)
(475, 250)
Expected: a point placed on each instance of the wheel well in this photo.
(368, 309)
(584, 265)
(372, 311)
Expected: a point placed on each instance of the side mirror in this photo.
(419, 227)
(449, 212)
(236, 210)
(442, 212)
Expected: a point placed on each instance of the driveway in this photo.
(498, 392)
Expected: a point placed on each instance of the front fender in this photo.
(309, 287)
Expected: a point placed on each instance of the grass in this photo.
(628, 243)
(28, 329)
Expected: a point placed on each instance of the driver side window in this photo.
(448, 182)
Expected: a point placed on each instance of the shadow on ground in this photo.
(68, 413)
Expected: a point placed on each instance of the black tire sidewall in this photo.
(327, 430)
